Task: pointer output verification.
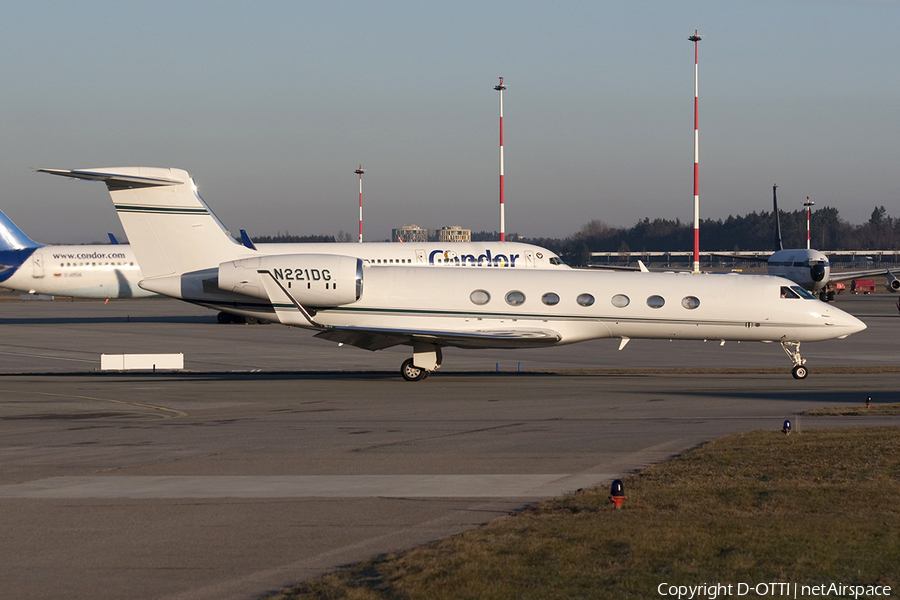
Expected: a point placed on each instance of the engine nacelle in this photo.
(314, 280)
(892, 284)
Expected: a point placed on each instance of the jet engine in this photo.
(313, 280)
(892, 284)
(817, 272)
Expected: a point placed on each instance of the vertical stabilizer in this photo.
(778, 244)
(13, 238)
(170, 228)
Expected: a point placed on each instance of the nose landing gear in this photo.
(792, 349)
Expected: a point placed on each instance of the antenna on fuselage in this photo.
(778, 244)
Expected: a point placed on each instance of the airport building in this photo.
(454, 233)
(409, 233)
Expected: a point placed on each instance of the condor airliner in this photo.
(185, 253)
(94, 271)
(111, 270)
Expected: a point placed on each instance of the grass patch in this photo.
(819, 507)
(889, 409)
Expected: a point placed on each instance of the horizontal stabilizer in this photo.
(122, 179)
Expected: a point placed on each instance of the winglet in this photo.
(246, 241)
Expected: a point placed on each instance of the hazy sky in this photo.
(272, 105)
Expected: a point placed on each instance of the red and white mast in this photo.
(807, 204)
(696, 266)
(360, 172)
(500, 89)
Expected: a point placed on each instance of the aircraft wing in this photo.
(845, 275)
(378, 338)
(739, 257)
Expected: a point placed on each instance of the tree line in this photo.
(754, 231)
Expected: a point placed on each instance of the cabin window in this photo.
(787, 292)
(620, 300)
(584, 300)
(515, 298)
(656, 301)
(550, 299)
(480, 297)
(690, 302)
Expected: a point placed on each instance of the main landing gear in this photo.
(411, 372)
(426, 358)
(792, 349)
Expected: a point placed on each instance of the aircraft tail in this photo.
(13, 238)
(171, 229)
(778, 244)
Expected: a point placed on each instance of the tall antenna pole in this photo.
(807, 204)
(360, 172)
(696, 267)
(500, 89)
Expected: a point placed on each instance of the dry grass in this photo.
(891, 409)
(818, 507)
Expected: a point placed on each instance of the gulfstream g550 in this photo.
(186, 253)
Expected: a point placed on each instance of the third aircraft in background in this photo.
(809, 267)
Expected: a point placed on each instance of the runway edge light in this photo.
(786, 429)
(617, 493)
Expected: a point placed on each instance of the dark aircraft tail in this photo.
(778, 244)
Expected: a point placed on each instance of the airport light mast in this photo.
(500, 89)
(807, 204)
(360, 172)
(696, 266)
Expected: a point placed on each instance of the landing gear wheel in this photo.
(224, 318)
(799, 372)
(411, 372)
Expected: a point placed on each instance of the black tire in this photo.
(411, 372)
(800, 372)
(224, 318)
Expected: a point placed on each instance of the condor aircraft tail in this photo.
(15, 247)
(170, 227)
(13, 238)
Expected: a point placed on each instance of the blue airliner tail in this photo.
(13, 238)
(15, 247)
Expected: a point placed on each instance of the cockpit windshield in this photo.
(796, 291)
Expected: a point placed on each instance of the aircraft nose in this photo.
(843, 323)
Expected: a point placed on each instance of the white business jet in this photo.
(111, 270)
(185, 253)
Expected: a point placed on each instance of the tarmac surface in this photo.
(276, 457)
